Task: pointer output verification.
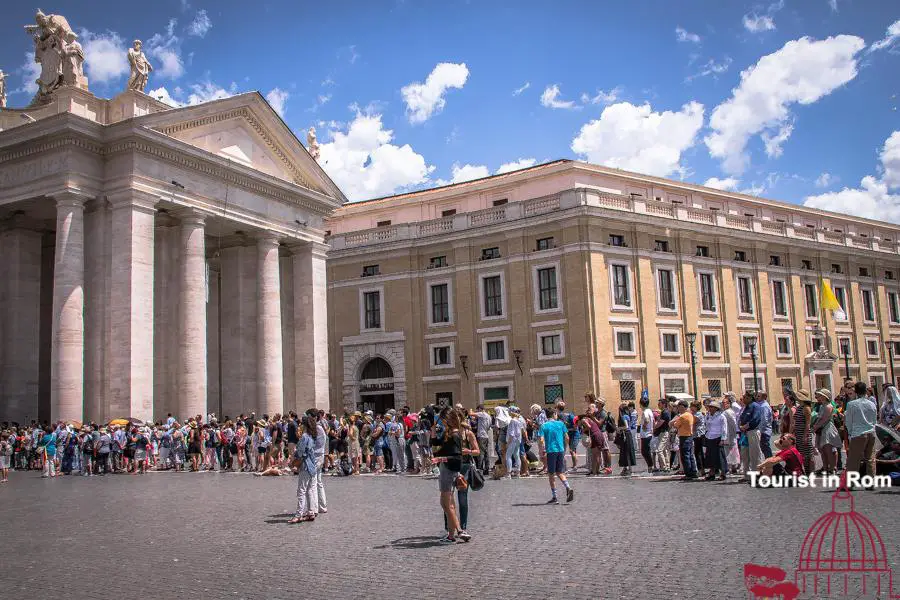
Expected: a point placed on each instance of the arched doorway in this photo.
(376, 386)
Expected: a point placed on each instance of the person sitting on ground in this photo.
(787, 461)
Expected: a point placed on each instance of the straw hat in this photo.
(802, 395)
(824, 393)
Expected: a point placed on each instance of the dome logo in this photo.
(842, 555)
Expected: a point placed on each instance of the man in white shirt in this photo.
(483, 435)
(645, 431)
(716, 427)
(513, 442)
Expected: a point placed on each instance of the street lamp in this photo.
(518, 355)
(691, 337)
(845, 348)
(889, 345)
(463, 361)
(751, 341)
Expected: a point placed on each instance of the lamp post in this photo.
(691, 338)
(518, 355)
(752, 343)
(889, 345)
(463, 360)
(845, 349)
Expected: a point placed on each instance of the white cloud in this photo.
(602, 97)
(754, 190)
(426, 99)
(365, 164)
(803, 71)
(519, 90)
(826, 180)
(833, 5)
(890, 38)
(166, 49)
(200, 25)
(550, 99)
(774, 140)
(522, 163)
(162, 94)
(877, 197)
(683, 35)
(637, 139)
(756, 23)
(105, 56)
(30, 72)
(468, 172)
(207, 91)
(728, 184)
(277, 97)
(711, 67)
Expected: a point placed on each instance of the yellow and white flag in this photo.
(830, 302)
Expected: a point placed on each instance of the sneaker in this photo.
(570, 495)
(447, 540)
(464, 535)
(553, 500)
(607, 471)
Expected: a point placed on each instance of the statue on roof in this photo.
(140, 67)
(2, 89)
(312, 145)
(59, 54)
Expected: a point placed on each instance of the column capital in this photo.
(134, 199)
(190, 216)
(267, 239)
(71, 198)
(315, 248)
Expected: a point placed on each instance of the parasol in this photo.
(119, 422)
(886, 435)
(75, 424)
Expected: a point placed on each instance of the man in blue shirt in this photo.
(765, 425)
(554, 439)
(750, 423)
(859, 419)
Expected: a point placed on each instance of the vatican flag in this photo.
(829, 302)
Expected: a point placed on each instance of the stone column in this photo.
(20, 315)
(131, 305)
(67, 345)
(271, 389)
(192, 383)
(310, 327)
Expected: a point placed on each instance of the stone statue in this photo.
(312, 146)
(73, 63)
(140, 67)
(2, 89)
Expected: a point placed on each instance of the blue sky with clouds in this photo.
(792, 100)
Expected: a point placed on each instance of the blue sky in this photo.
(792, 100)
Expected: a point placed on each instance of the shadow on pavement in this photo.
(412, 543)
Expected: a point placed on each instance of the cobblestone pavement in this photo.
(167, 535)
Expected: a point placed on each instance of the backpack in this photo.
(87, 446)
(346, 467)
(608, 424)
(570, 422)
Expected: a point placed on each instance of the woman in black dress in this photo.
(625, 441)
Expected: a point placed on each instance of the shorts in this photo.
(446, 478)
(261, 450)
(573, 441)
(140, 455)
(354, 450)
(379, 450)
(556, 462)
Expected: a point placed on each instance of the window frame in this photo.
(629, 289)
(790, 348)
(673, 281)
(867, 306)
(482, 297)
(540, 344)
(877, 354)
(429, 290)
(811, 302)
(841, 297)
(760, 376)
(712, 334)
(746, 353)
(363, 309)
(713, 292)
(452, 355)
(536, 288)
(785, 298)
(750, 289)
(662, 345)
(617, 351)
(484, 350)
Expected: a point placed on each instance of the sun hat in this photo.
(824, 393)
(802, 395)
(715, 404)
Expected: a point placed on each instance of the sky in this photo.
(793, 100)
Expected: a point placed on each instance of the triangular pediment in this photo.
(244, 129)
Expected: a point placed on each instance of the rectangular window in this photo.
(370, 271)
(440, 303)
(806, 265)
(841, 296)
(372, 302)
(672, 385)
(779, 298)
(711, 343)
(436, 262)
(495, 396)
(661, 246)
(441, 355)
(707, 293)
(740, 256)
(666, 289)
(872, 348)
(383, 223)
(774, 261)
(617, 240)
(745, 296)
(783, 345)
(752, 386)
(627, 390)
(551, 345)
(624, 342)
(621, 291)
(495, 350)
(500, 202)
(715, 387)
(787, 383)
(545, 243)
(864, 271)
(836, 268)
(670, 343)
(448, 213)
(748, 344)
(553, 393)
(812, 305)
(894, 307)
(703, 251)
(896, 346)
(490, 253)
(868, 305)
(547, 288)
(493, 296)
(889, 275)
(845, 347)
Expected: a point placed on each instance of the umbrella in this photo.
(886, 435)
(119, 422)
(136, 421)
(75, 424)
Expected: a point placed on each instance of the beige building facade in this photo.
(159, 260)
(567, 277)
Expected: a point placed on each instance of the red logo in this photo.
(842, 555)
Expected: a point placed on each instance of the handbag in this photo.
(586, 441)
(475, 479)
(461, 483)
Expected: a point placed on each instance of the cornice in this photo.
(48, 145)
